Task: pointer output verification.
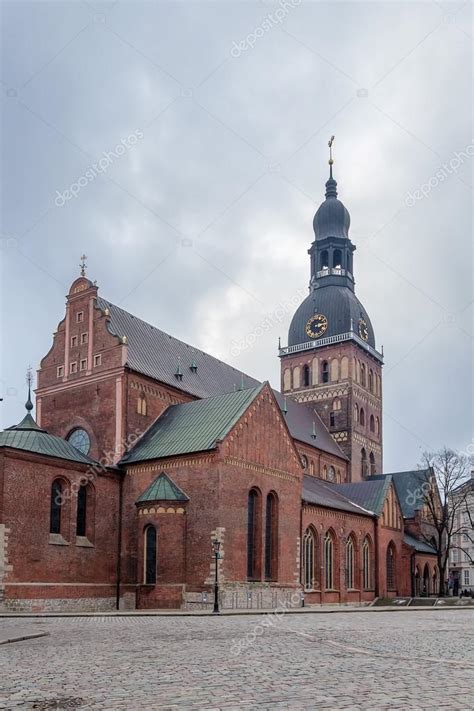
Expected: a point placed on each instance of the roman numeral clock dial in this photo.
(316, 326)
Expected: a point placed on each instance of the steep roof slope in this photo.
(409, 486)
(317, 491)
(194, 426)
(368, 494)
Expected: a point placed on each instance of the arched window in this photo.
(304, 461)
(329, 561)
(390, 564)
(372, 423)
(81, 520)
(371, 380)
(287, 379)
(332, 419)
(309, 558)
(296, 376)
(363, 463)
(366, 563)
(337, 259)
(55, 507)
(311, 467)
(356, 412)
(141, 404)
(336, 404)
(417, 581)
(426, 580)
(271, 537)
(363, 374)
(149, 555)
(306, 376)
(324, 262)
(372, 463)
(377, 425)
(350, 563)
(362, 417)
(324, 371)
(253, 534)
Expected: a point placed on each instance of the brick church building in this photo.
(144, 450)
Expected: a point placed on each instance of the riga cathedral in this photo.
(149, 468)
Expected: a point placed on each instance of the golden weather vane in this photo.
(83, 265)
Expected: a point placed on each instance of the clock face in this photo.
(81, 440)
(316, 326)
(363, 330)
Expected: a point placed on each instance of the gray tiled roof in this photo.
(156, 354)
(194, 426)
(409, 490)
(420, 546)
(317, 491)
(29, 437)
(368, 494)
(300, 418)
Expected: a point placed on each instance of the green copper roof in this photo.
(29, 437)
(162, 489)
(192, 426)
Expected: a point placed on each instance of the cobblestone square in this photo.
(358, 660)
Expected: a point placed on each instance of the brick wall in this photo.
(57, 566)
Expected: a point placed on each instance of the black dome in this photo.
(339, 304)
(331, 219)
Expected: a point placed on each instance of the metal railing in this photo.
(330, 340)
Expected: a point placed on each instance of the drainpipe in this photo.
(412, 572)
(376, 556)
(119, 541)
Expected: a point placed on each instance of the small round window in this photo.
(80, 440)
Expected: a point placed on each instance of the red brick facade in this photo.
(348, 399)
(84, 382)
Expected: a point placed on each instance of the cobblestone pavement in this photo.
(395, 660)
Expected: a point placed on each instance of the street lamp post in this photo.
(215, 546)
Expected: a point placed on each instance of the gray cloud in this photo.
(202, 227)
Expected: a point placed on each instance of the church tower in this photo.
(331, 363)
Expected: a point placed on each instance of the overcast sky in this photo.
(200, 223)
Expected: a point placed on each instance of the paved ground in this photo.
(394, 660)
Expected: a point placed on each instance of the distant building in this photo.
(461, 557)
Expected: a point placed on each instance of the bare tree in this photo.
(445, 498)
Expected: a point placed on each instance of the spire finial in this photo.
(83, 264)
(331, 141)
(29, 380)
